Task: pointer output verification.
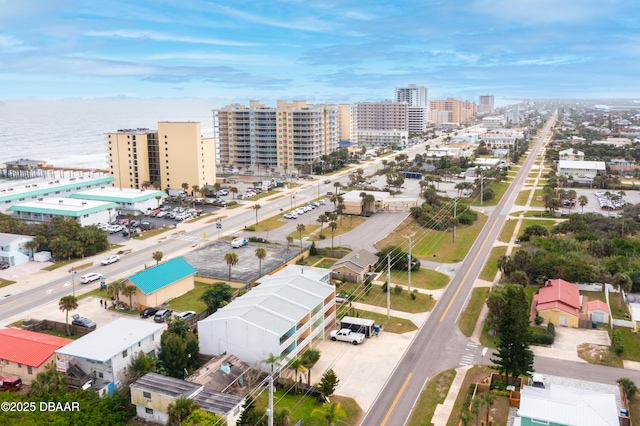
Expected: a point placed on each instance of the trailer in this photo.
(359, 325)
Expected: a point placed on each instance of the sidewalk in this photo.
(443, 411)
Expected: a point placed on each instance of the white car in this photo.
(186, 315)
(239, 242)
(94, 276)
(111, 259)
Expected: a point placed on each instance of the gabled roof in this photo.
(568, 406)
(110, 340)
(162, 275)
(217, 402)
(598, 305)
(28, 347)
(8, 239)
(558, 294)
(165, 385)
(357, 261)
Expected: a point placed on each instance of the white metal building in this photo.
(280, 316)
(588, 169)
(137, 201)
(86, 212)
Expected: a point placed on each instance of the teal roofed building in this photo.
(162, 282)
(137, 201)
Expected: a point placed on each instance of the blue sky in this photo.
(340, 51)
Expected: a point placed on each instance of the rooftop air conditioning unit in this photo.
(61, 201)
(84, 203)
(40, 199)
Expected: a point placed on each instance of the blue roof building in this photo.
(162, 282)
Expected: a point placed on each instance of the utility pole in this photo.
(270, 407)
(389, 287)
(481, 188)
(409, 269)
(455, 211)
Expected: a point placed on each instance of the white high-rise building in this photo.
(418, 107)
(486, 104)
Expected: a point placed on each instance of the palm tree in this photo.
(322, 219)
(337, 185)
(300, 228)
(232, 259)
(333, 225)
(32, 245)
(341, 208)
(272, 360)
(330, 413)
(261, 253)
(179, 410)
(289, 241)
(114, 290)
(234, 191)
(157, 197)
(185, 186)
(129, 291)
(256, 207)
(309, 358)
(297, 366)
(157, 256)
(623, 282)
(129, 219)
(196, 189)
(583, 200)
(66, 304)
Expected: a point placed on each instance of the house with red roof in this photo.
(599, 311)
(26, 353)
(559, 302)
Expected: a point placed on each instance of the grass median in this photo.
(434, 393)
(469, 317)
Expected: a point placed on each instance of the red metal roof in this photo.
(558, 294)
(28, 347)
(598, 305)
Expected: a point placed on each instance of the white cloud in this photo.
(543, 11)
(296, 23)
(10, 44)
(166, 37)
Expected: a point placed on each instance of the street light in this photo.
(73, 272)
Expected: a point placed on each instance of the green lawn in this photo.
(345, 224)
(616, 313)
(435, 245)
(263, 195)
(534, 201)
(392, 325)
(151, 233)
(4, 283)
(61, 263)
(399, 301)
(522, 198)
(507, 231)
(491, 266)
(308, 229)
(630, 341)
(300, 407)
(469, 317)
(189, 301)
(434, 393)
(423, 278)
(268, 224)
(530, 222)
(499, 189)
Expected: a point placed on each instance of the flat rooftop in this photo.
(63, 206)
(12, 190)
(118, 195)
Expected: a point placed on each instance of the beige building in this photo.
(353, 202)
(379, 123)
(162, 282)
(461, 111)
(344, 111)
(25, 353)
(174, 154)
(288, 136)
(355, 266)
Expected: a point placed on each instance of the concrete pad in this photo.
(443, 411)
(565, 345)
(631, 365)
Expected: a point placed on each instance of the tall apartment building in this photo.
(174, 154)
(290, 135)
(418, 107)
(461, 111)
(485, 105)
(379, 123)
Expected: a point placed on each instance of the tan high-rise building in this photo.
(461, 111)
(174, 154)
(288, 136)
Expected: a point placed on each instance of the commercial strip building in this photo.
(86, 212)
(174, 154)
(34, 191)
(581, 169)
(136, 201)
(287, 136)
(281, 316)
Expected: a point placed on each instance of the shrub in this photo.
(413, 295)
(539, 320)
(367, 286)
(250, 228)
(313, 251)
(497, 384)
(397, 289)
(551, 329)
(257, 240)
(385, 287)
(322, 236)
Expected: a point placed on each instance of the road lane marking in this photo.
(444, 314)
(395, 401)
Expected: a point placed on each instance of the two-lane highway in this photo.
(438, 344)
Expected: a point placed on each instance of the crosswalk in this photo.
(188, 238)
(470, 353)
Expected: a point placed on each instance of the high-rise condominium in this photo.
(169, 157)
(379, 123)
(485, 105)
(459, 111)
(288, 136)
(417, 112)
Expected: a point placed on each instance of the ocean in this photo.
(70, 133)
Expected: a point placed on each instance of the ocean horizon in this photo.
(70, 133)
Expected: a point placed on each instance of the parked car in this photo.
(4, 264)
(327, 181)
(10, 383)
(162, 315)
(135, 224)
(186, 315)
(82, 322)
(346, 335)
(93, 276)
(111, 259)
(239, 242)
(148, 312)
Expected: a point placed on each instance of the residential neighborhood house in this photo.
(355, 266)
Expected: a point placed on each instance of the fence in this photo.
(60, 327)
(623, 323)
(589, 286)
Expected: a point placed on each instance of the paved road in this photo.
(439, 345)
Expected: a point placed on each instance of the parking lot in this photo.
(209, 260)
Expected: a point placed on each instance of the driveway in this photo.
(565, 345)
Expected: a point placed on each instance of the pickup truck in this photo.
(346, 335)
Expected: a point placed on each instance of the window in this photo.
(539, 422)
(101, 375)
(146, 395)
(124, 353)
(29, 370)
(148, 410)
(19, 365)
